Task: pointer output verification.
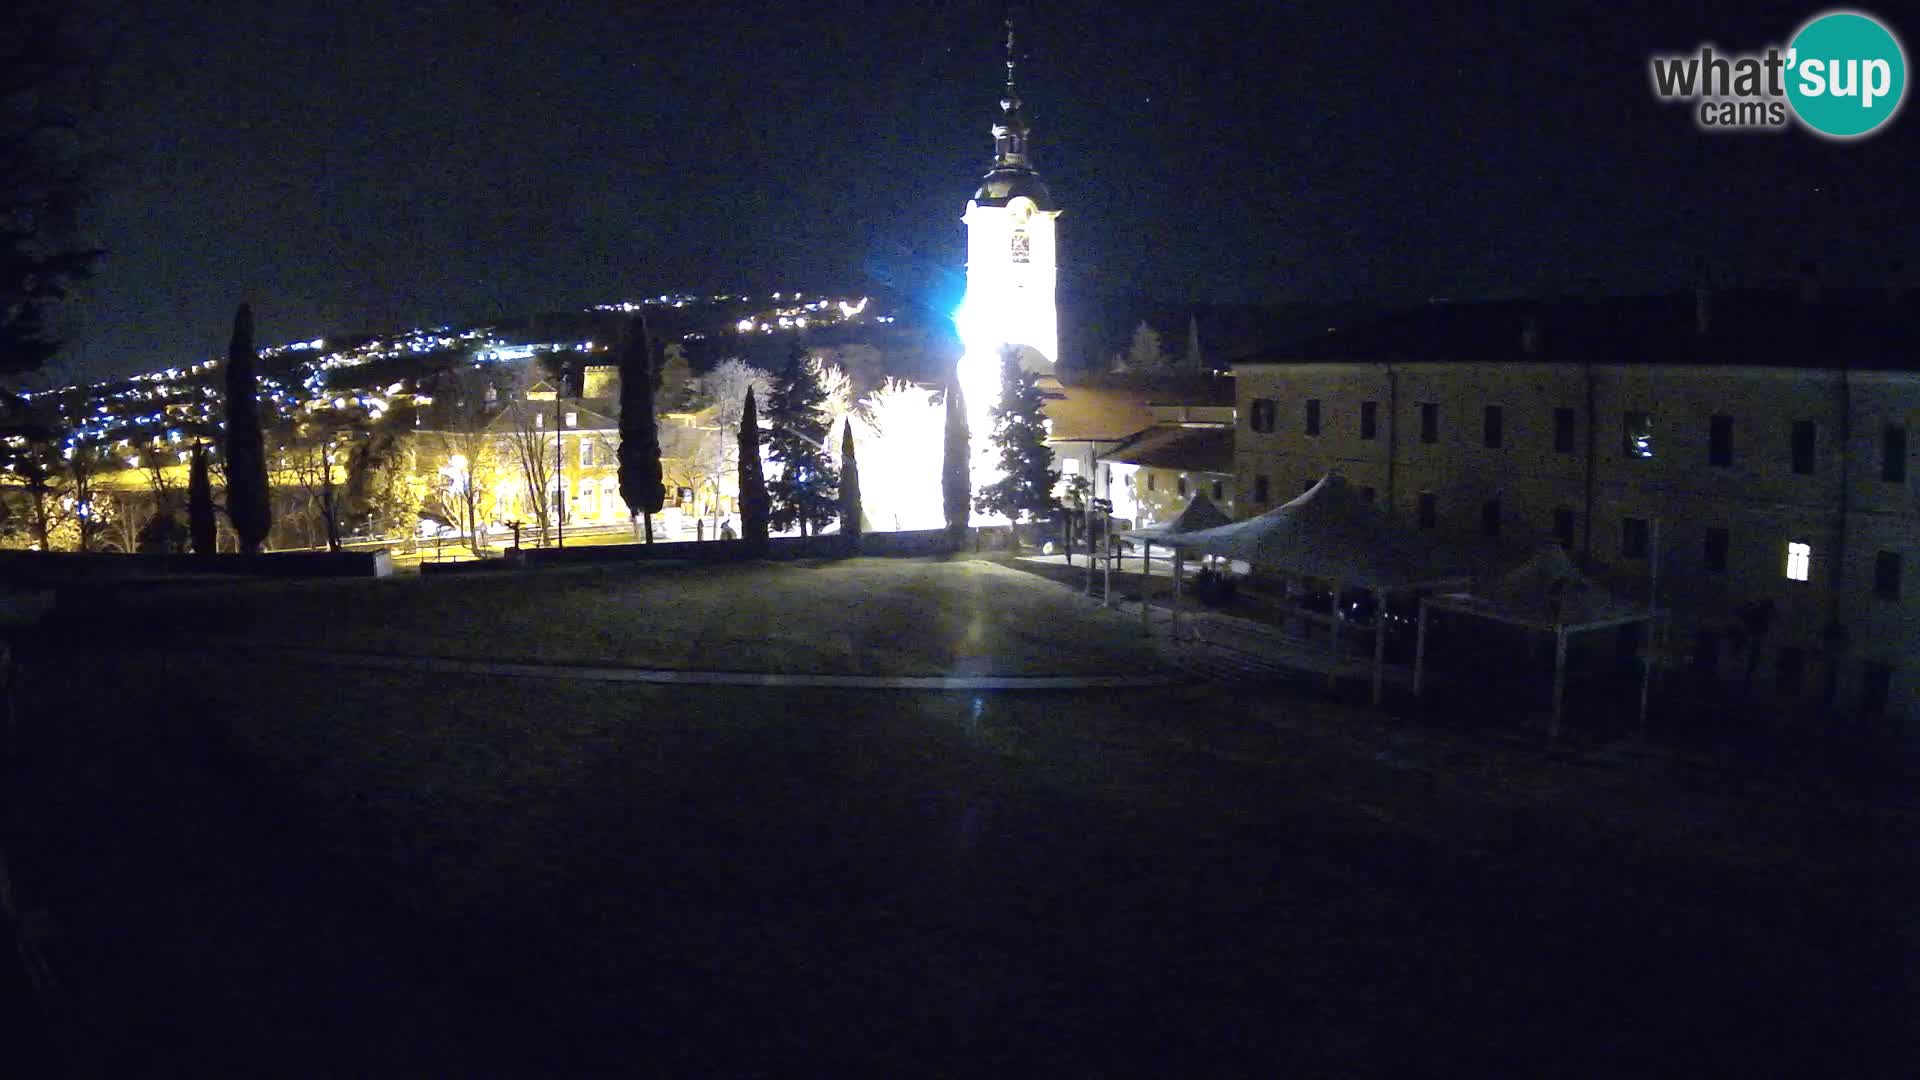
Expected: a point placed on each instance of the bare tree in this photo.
(92, 516)
(530, 450)
(314, 464)
(724, 390)
(39, 474)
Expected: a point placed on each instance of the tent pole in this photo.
(1559, 679)
(1146, 581)
(1179, 556)
(1379, 643)
(1420, 651)
(1106, 562)
(1333, 637)
(1106, 536)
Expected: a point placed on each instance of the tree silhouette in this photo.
(804, 492)
(849, 489)
(200, 523)
(1020, 434)
(754, 502)
(640, 482)
(247, 494)
(43, 76)
(956, 477)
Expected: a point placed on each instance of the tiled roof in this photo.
(1108, 408)
(1169, 446)
(1863, 328)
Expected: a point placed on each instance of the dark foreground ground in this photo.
(258, 868)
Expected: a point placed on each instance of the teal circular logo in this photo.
(1845, 74)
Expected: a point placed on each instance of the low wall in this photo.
(75, 566)
(926, 542)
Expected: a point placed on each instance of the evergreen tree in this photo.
(248, 501)
(1145, 355)
(640, 483)
(849, 489)
(956, 473)
(1020, 434)
(673, 379)
(200, 524)
(753, 480)
(47, 81)
(804, 492)
(1194, 361)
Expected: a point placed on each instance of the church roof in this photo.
(1002, 186)
(1012, 176)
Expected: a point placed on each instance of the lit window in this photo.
(586, 452)
(573, 419)
(539, 420)
(1636, 435)
(1799, 561)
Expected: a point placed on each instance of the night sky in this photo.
(348, 165)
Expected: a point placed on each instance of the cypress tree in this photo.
(1020, 434)
(803, 493)
(200, 502)
(956, 490)
(247, 494)
(640, 483)
(849, 489)
(754, 502)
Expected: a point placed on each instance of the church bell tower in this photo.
(1010, 242)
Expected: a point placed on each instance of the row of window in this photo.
(1180, 485)
(1636, 434)
(1636, 537)
(1261, 489)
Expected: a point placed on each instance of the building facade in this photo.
(1649, 450)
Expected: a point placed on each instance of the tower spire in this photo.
(1010, 130)
(1012, 96)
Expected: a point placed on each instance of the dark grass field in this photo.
(259, 868)
(852, 616)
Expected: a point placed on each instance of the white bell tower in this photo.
(1011, 251)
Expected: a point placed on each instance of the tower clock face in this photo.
(1021, 250)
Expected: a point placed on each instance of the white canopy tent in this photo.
(1330, 533)
(1545, 594)
(1199, 513)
